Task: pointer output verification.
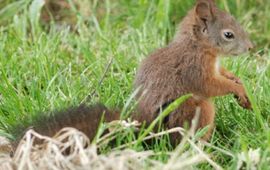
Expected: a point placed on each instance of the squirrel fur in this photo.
(189, 64)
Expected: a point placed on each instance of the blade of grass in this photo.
(11, 9)
(255, 107)
(165, 113)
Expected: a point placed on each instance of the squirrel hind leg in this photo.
(207, 116)
(185, 114)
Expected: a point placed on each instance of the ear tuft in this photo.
(203, 9)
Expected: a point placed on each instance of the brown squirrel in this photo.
(189, 64)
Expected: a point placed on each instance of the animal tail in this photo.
(84, 118)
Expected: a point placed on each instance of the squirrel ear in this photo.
(203, 9)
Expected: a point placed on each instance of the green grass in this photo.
(46, 66)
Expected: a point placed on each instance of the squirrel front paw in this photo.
(234, 79)
(244, 101)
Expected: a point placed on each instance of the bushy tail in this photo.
(84, 118)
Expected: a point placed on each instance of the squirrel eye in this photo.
(228, 35)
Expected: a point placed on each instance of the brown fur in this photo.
(84, 118)
(189, 65)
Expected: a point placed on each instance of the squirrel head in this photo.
(217, 29)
